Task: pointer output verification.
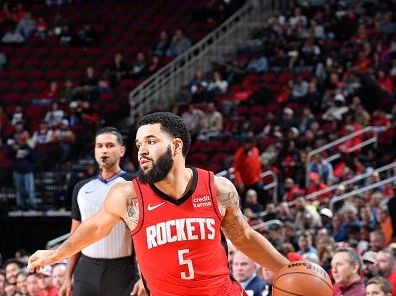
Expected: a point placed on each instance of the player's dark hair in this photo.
(110, 130)
(171, 124)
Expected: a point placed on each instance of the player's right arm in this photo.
(117, 205)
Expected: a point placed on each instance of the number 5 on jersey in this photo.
(182, 261)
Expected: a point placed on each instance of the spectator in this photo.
(178, 44)
(377, 240)
(138, 67)
(32, 284)
(87, 36)
(268, 277)
(326, 247)
(291, 190)
(198, 86)
(386, 224)
(345, 267)
(306, 216)
(24, 159)
(21, 283)
(258, 64)
(68, 91)
(43, 135)
(288, 121)
(321, 166)
(251, 202)
(65, 137)
(153, 66)
(337, 110)
(18, 115)
(367, 217)
(9, 289)
(41, 28)
(315, 185)
(2, 282)
(161, 47)
(244, 271)
(26, 26)
(88, 86)
(12, 267)
(247, 169)
(52, 92)
(386, 267)
(370, 267)
(326, 215)
(58, 275)
(118, 69)
(218, 85)
(211, 124)
(299, 90)
(192, 118)
(66, 36)
(305, 244)
(54, 116)
(378, 286)
(44, 282)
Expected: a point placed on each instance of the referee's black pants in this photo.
(104, 277)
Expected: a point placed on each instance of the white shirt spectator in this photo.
(192, 119)
(54, 116)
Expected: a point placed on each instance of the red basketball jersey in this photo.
(178, 243)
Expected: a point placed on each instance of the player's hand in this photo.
(40, 259)
(65, 289)
(138, 289)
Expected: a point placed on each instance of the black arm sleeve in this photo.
(75, 209)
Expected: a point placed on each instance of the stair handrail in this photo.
(365, 175)
(163, 84)
(360, 190)
(334, 143)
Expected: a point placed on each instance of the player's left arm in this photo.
(235, 227)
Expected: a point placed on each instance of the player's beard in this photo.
(160, 169)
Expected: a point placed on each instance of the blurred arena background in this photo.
(310, 85)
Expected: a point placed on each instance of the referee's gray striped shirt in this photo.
(88, 196)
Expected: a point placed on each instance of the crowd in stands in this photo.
(305, 79)
(308, 76)
(15, 280)
(53, 121)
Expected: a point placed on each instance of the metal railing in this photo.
(360, 190)
(355, 179)
(273, 185)
(267, 224)
(229, 173)
(366, 130)
(161, 88)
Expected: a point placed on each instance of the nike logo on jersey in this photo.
(150, 207)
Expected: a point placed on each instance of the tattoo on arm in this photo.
(234, 222)
(133, 211)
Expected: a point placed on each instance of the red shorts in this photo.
(233, 289)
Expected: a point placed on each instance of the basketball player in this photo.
(176, 215)
(108, 265)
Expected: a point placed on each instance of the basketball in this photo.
(302, 278)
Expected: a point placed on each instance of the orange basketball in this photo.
(302, 278)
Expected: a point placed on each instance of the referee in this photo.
(107, 267)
